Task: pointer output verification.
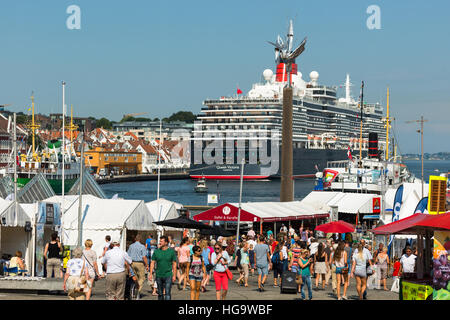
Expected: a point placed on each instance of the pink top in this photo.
(184, 254)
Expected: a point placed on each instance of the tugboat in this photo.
(201, 186)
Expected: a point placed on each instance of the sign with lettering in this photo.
(376, 205)
(415, 291)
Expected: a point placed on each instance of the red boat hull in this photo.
(230, 177)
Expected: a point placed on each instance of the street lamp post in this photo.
(240, 201)
(421, 121)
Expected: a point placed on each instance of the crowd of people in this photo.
(318, 263)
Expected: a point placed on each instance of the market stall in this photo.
(262, 212)
(432, 276)
(100, 217)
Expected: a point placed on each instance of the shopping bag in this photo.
(396, 285)
(229, 274)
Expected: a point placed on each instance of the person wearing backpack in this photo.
(197, 272)
(277, 263)
(244, 263)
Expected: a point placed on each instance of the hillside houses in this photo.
(170, 155)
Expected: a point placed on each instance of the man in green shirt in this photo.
(166, 268)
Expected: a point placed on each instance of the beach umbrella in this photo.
(182, 222)
(336, 227)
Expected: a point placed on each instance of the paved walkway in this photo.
(235, 292)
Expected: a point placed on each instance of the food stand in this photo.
(432, 277)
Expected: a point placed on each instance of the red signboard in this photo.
(376, 205)
(226, 212)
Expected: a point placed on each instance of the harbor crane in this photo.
(134, 114)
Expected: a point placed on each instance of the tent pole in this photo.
(420, 258)
(260, 226)
(33, 251)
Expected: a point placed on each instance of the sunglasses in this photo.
(216, 248)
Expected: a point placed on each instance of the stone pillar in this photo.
(286, 192)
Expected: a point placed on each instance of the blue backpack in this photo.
(276, 257)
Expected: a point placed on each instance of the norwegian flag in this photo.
(349, 153)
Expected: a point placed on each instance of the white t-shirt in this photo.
(291, 231)
(408, 263)
(366, 254)
(313, 247)
(284, 251)
(75, 266)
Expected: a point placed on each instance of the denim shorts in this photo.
(295, 269)
(195, 278)
(264, 270)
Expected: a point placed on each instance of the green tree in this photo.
(21, 119)
(104, 123)
(186, 116)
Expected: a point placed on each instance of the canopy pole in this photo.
(260, 226)
(275, 230)
(428, 253)
(420, 257)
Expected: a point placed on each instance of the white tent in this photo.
(13, 236)
(408, 188)
(163, 209)
(353, 202)
(319, 199)
(346, 202)
(9, 215)
(101, 217)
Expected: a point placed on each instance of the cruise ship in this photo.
(325, 127)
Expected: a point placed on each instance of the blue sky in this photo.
(160, 57)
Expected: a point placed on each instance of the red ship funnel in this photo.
(281, 75)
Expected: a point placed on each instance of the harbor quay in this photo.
(142, 177)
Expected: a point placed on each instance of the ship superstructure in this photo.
(324, 126)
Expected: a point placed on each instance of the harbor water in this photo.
(182, 191)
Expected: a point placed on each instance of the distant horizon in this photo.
(148, 57)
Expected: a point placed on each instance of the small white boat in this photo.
(201, 186)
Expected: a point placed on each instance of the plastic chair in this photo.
(14, 270)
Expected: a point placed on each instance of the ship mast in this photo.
(387, 125)
(33, 127)
(72, 127)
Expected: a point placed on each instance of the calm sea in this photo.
(182, 191)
